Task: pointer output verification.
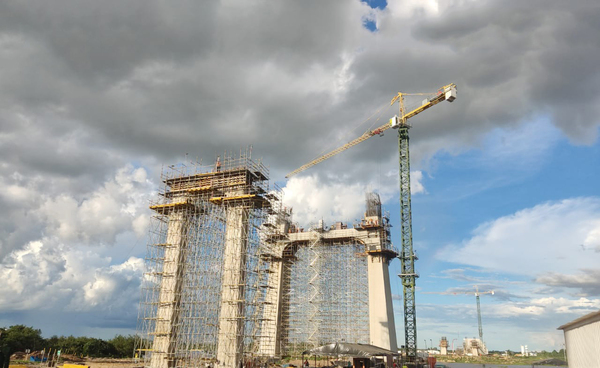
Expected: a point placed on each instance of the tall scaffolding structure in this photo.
(207, 270)
(334, 284)
(230, 280)
(328, 297)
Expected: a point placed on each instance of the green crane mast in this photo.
(407, 255)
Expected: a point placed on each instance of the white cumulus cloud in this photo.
(313, 199)
(47, 274)
(119, 205)
(553, 236)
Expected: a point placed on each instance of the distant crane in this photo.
(407, 256)
(477, 293)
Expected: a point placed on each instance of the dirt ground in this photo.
(128, 363)
(116, 363)
(92, 363)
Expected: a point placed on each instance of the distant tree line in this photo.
(20, 338)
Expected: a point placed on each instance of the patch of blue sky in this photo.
(514, 168)
(376, 4)
(448, 280)
(369, 22)
(127, 245)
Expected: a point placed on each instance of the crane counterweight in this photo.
(450, 93)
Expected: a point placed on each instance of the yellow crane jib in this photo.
(447, 93)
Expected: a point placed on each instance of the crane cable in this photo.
(377, 112)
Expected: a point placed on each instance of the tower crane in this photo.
(477, 293)
(407, 255)
(398, 122)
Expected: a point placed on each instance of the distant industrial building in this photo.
(474, 347)
(444, 346)
(582, 341)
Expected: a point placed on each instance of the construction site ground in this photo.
(112, 363)
(92, 363)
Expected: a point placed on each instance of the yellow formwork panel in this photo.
(200, 189)
(167, 205)
(221, 199)
(166, 208)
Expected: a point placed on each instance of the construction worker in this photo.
(218, 164)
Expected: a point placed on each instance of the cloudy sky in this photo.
(96, 96)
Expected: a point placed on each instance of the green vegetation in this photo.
(498, 358)
(20, 337)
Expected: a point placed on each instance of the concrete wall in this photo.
(382, 329)
(583, 345)
(231, 321)
(270, 331)
(170, 293)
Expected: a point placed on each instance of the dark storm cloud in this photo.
(102, 41)
(147, 78)
(586, 284)
(485, 289)
(86, 89)
(459, 275)
(164, 79)
(512, 62)
(531, 57)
